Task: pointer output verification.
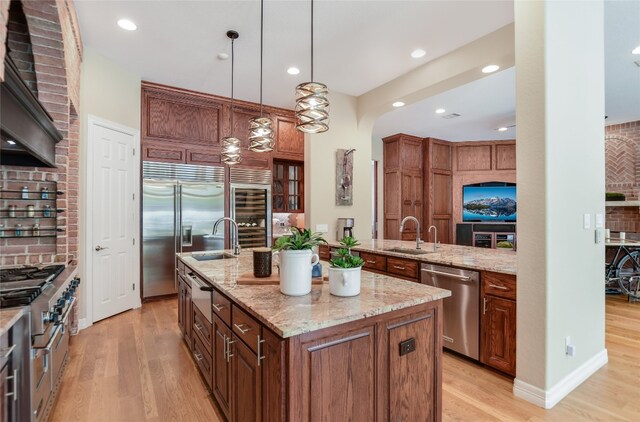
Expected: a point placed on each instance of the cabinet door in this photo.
(246, 386)
(289, 140)
(499, 334)
(221, 368)
(181, 309)
(407, 197)
(188, 313)
(273, 366)
(417, 199)
(288, 186)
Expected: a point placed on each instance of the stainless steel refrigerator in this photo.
(180, 204)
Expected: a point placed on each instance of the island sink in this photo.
(212, 257)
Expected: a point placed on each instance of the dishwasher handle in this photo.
(458, 276)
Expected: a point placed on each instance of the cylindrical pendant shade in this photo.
(312, 107)
(231, 151)
(261, 134)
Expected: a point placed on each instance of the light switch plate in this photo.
(599, 221)
(586, 221)
(322, 228)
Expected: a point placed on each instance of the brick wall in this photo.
(622, 149)
(49, 43)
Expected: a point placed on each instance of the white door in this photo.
(112, 213)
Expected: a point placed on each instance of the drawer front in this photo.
(373, 261)
(181, 269)
(202, 328)
(203, 359)
(323, 252)
(404, 267)
(246, 328)
(500, 285)
(221, 306)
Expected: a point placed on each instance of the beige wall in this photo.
(109, 92)
(320, 163)
(560, 176)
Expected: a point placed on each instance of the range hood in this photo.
(28, 136)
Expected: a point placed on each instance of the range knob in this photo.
(75, 282)
(66, 295)
(61, 302)
(59, 310)
(55, 317)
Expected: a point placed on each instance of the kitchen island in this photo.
(266, 356)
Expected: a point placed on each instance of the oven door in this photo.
(41, 363)
(60, 347)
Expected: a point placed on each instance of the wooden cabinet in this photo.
(289, 140)
(498, 322)
(221, 366)
(408, 268)
(403, 185)
(438, 188)
(246, 385)
(288, 186)
(374, 262)
(185, 309)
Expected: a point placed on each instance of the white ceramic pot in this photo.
(344, 281)
(295, 271)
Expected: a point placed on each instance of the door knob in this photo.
(99, 248)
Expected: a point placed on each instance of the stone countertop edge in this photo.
(8, 317)
(469, 257)
(304, 314)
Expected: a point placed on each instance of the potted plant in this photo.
(296, 259)
(345, 270)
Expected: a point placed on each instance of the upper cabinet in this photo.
(288, 186)
(181, 126)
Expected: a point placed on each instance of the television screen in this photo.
(490, 203)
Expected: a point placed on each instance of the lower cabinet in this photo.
(498, 323)
(246, 383)
(221, 366)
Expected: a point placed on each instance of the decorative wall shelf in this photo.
(622, 203)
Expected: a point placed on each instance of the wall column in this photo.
(560, 175)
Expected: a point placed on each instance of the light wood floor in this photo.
(134, 367)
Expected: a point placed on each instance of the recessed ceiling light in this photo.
(293, 71)
(127, 24)
(636, 50)
(502, 129)
(398, 104)
(10, 142)
(440, 110)
(417, 53)
(490, 69)
(223, 56)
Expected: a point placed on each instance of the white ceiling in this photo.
(359, 46)
(490, 102)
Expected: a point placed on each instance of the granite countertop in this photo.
(500, 261)
(289, 316)
(8, 317)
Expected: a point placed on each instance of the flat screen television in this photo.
(489, 203)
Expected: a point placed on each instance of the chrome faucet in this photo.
(410, 217)
(236, 244)
(435, 237)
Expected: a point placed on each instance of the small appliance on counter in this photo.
(345, 227)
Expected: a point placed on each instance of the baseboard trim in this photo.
(549, 398)
(83, 323)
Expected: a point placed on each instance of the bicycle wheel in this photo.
(628, 275)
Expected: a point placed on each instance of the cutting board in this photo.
(274, 279)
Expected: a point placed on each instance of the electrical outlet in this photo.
(599, 221)
(586, 221)
(569, 348)
(322, 228)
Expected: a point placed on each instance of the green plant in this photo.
(349, 242)
(614, 196)
(299, 240)
(348, 261)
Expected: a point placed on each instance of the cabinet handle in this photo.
(243, 331)
(371, 262)
(260, 357)
(397, 267)
(217, 307)
(197, 327)
(484, 306)
(229, 343)
(6, 352)
(493, 286)
(14, 377)
(198, 356)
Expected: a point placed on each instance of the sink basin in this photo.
(212, 257)
(409, 251)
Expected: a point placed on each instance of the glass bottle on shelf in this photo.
(44, 193)
(18, 230)
(31, 211)
(1, 230)
(46, 213)
(25, 192)
(12, 211)
(36, 230)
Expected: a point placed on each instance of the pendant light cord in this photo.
(261, 48)
(232, 65)
(311, 40)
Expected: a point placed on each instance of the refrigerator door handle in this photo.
(180, 215)
(175, 246)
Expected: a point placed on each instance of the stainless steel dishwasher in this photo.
(461, 319)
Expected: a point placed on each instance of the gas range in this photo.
(49, 293)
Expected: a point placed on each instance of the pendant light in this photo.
(231, 145)
(261, 127)
(312, 105)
